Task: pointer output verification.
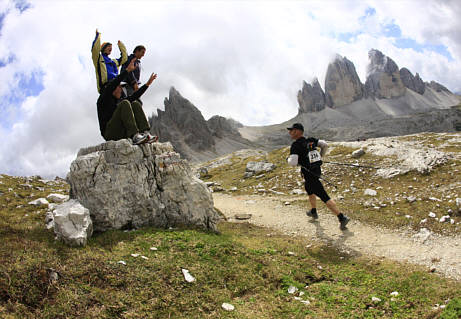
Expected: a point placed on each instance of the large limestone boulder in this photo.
(72, 223)
(414, 83)
(383, 80)
(129, 186)
(311, 98)
(342, 84)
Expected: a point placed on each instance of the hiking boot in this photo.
(139, 138)
(151, 138)
(343, 223)
(312, 214)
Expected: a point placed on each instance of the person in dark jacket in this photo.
(134, 76)
(303, 152)
(105, 67)
(123, 118)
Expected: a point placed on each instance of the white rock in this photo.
(458, 203)
(154, 248)
(435, 199)
(233, 189)
(444, 218)
(140, 185)
(370, 192)
(306, 302)
(408, 216)
(375, 299)
(58, 198)
(357, 153)
(423, 235)
(144, 257)
(292, 289)
(432, 215)
(258, 167)
(134, 255)
(297, 191)
(39, 202)
(49, 220)
(121, 262)
(187, 276)
(72, 223)
(411, 199)
(423, 221)
(394, 293)
(290, 253)
(227, 306)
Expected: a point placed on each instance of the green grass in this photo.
(244, 266)
(443, 180)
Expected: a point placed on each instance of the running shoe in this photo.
(343, 223)
(139, 138)
(312, 214)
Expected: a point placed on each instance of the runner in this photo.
(303, 152)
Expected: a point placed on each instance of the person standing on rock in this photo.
(135, 75)
(304, 152)
(124, 118)
(105, 67)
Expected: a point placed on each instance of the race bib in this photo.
(314, 156)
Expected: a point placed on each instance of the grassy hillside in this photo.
(435, 191)
(249, 267)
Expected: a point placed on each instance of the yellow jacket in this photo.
(105, 67)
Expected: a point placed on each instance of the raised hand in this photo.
(153, 76)
(131, 66)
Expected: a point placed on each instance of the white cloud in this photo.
(245, 60)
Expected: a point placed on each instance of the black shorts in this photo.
(314, 186)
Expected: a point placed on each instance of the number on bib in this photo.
(314, 156)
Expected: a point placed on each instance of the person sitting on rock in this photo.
(124, 118)
(105, 67)
(135, 75)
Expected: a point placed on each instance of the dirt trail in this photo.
(442, 253)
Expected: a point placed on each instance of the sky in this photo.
(240, 59)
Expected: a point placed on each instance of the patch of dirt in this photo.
(434, 251)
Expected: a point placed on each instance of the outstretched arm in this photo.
(136, 95)
(123, 56)
(95, 48)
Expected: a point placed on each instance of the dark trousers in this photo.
(127, 120)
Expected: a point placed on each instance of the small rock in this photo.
(292, 289)
(39, 202)
(242, 216)
(370, 192)
(444, 218)
(287, 203)
(134, 255)
(306, 302)
(154, 248)
(121, 262)
(357, 153)
(411, 199)
(58, 198)
(394, 293)
(227, 306)
(187, 276)
(233, 189)
(375, 299)
(297, 191)
(432, 215)
(144, 257)
(290, 253)
(408, 216)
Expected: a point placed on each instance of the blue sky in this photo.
(250, 70)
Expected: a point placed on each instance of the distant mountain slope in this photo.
(191, 135)
(391, 102)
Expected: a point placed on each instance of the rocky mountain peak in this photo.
(311, 98)
(437, 87)
(342, 84)
(383, 80)
(414, 83)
